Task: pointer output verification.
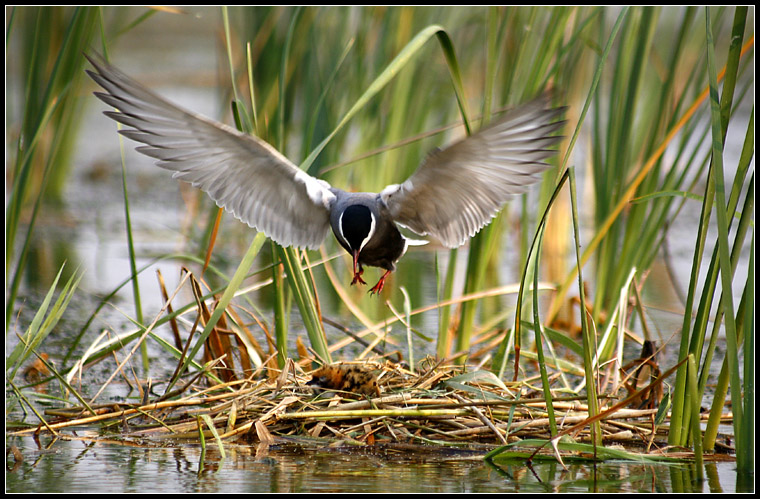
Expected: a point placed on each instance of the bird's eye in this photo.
(323, 379)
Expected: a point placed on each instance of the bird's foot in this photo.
(358, 278)
(379, 286)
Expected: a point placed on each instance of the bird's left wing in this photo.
(243, 174)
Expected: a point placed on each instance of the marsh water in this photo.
(88, 231)
(85, 466)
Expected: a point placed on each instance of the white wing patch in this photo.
(317, 190)
(389, 191)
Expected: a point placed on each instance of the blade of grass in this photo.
(281, 315)
(210, 424)
(578, 451)
(131, 249)
(43, 322)
(407, 313)
(589, 344)
(747, 448)
(501, 362)
(444, 314)
(303, 294)
(710, 281)
(202, 438)
(539, 338)
(725, 262)
(696, 431)
(628, 72)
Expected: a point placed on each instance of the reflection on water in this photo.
(84, 466)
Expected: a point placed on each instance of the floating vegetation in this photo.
(446, 406)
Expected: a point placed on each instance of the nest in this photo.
(446, 406)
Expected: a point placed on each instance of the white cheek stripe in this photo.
(340, 228)
(371, 231)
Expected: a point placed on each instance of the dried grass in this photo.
(442, 405)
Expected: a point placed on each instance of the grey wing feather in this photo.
(458, 190)
(243, 174)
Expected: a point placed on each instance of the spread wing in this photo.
(243, 174)
(458, 190)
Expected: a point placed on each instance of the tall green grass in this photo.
(44, 121)
(358, 95)
(720, 110)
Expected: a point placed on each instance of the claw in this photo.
(358, 278)
(379, 286)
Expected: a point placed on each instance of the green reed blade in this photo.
(725, 262)
(43, 322)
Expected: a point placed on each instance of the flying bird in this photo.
(454, 192)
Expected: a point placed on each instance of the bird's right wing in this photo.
(457, 190)
(243, 174)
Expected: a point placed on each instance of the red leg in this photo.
(379, 286)
(357, 275)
